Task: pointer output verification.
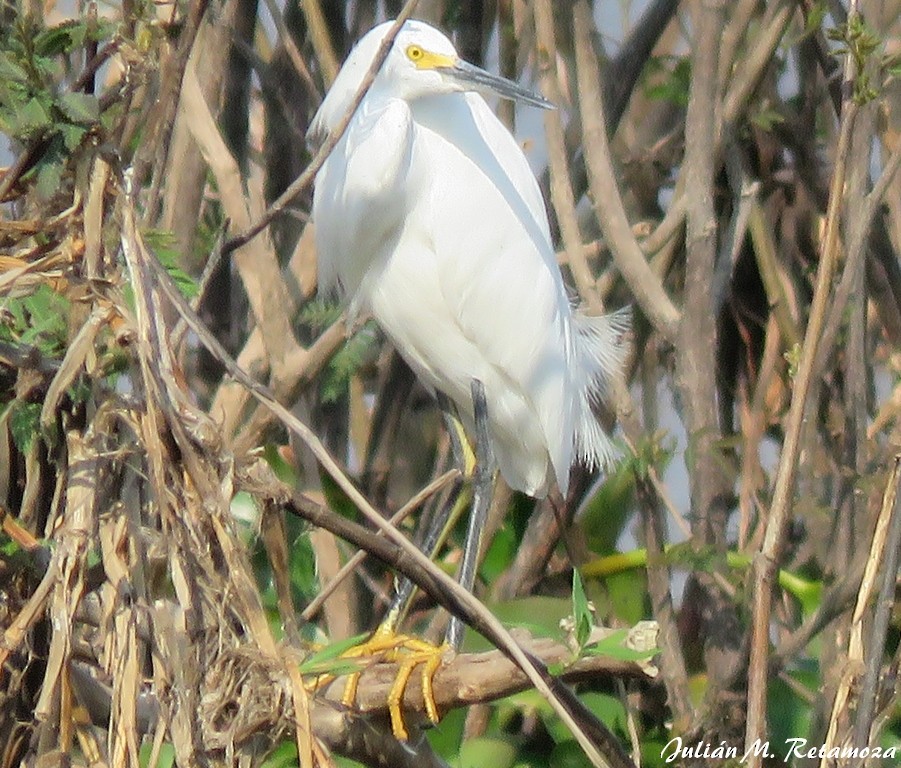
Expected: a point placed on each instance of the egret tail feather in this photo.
(601, 353)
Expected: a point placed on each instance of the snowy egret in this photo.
(429, 218)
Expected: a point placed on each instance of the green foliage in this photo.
(337, 500)
(790, 713)
(35, 105)
(357, 350)
(499, 555)
(165, 247)
(581, 611)
(860, 42)
(693, 557)
(9, 548)
(624, 596)
(302, 574)
(487, 750)
(765, 117)
(320, 313)
(539, 614)
(24, 424)
(445, 737)
(610, 508)
(815, 17)
(302, 568)
(793, 358)
(166, 756)
(613, 646)
(667, 78)
(283, 756)
(608, 709)
(654, 452)
(39, 320)
(328, 661)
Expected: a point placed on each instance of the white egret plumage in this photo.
(429, 217)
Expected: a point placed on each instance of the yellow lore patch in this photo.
(424, 59)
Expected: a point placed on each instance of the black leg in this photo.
(437, 528)
(483, 484)
(408, 652)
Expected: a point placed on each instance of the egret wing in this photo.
(361, 195)
(505, 293)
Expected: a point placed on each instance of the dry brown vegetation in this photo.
(728, 168)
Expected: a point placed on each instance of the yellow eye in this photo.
(414, 52)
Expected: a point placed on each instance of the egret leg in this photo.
(408, 652)
(483, 484)
(438, 525)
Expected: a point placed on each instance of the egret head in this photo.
(422, 62)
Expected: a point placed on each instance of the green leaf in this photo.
(357, 350)
(63, 38)
(81, 108)
(446, 737)
(539, 614)
(608, 709)
(10, 70)
(328, 661)
(674, 84)
(72, 135)
(34, 117)
(48, 70)
(165, 247)
(50, 176)
(815, 17)
(765, 118)
(283, 756)
(337, 500)
(581, 611)
(613, 647)
(40, 320)
(486, 751)
(24, 420)
(166, 755)
(499, 555)
(627, 594)
(790, 714)
(568, 754)
(320, 313)
(302, 565)
(610, 508)
(9, 548)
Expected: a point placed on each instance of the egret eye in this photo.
(414, 52)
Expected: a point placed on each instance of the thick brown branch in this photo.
(478, 678)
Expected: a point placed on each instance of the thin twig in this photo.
(287, 39)
(735, 102)
(883, 554)
(767, 559)
(322, 45)
(561, 186)
(398, 517)
(855, 251)
(155, 147)
(645, 285)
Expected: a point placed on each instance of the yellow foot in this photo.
(408, 653)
